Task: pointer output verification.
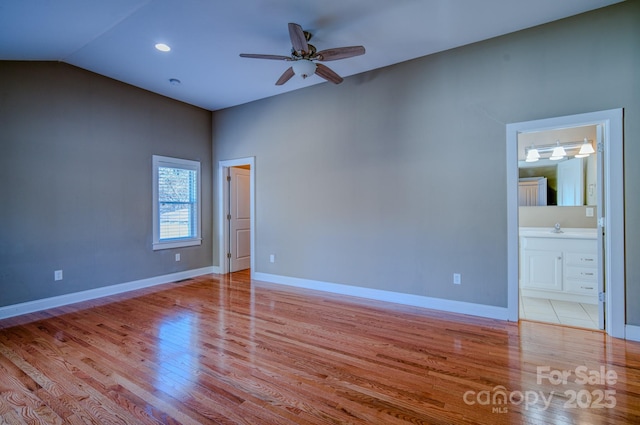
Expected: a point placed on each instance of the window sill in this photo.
(176, 244)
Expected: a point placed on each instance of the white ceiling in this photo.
(115, 38)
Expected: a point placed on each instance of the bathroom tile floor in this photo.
(560, 312)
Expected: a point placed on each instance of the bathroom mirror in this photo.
(567, 181)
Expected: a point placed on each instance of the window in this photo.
(176, 202)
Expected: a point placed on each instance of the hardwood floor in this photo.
(226, 350)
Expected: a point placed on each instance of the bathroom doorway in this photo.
(559, 263)
(560, 253)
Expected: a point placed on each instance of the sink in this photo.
(567, 232)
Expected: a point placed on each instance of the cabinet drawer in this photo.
(581, 287)
(581, 259)
(581, 273)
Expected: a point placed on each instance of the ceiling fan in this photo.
(304, 57)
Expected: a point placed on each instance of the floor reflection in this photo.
(570, 383)
(177, 358)
(237, 296)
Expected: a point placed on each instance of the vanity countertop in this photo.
(567, 233)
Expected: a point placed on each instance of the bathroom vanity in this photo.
(561, 266)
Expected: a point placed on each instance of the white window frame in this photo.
(165, 161)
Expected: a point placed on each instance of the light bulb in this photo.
(532, 155)
(585, 150)
(558, 153)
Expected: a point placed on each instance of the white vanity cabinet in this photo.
(560, 266)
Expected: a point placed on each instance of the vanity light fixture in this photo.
(532, 154)
(558, 152)
(585, 150)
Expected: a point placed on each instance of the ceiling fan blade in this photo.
(340, 53)
(286, 76)
(258, 56)
(328, 74)
(298, 39)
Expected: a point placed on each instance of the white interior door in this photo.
(601, 214)
(239, 219)
(570, 182)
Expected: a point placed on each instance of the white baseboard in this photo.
(632, 332)
(451, 306)
(46, 303)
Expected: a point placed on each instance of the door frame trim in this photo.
(614, 272)
(222, 195)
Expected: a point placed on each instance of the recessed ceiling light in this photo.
(163, 47)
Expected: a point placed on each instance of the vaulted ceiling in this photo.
(116, 38)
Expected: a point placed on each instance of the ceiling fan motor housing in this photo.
(310, 54)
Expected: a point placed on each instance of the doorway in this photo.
(560, 248)
(236, 218)
(611, 296)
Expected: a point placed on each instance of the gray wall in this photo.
(397, 178)
(75, 167)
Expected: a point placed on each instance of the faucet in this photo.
(556, 228)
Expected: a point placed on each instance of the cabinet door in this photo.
(543, 270)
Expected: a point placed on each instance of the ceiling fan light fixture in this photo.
(304, 68)
(303, 57)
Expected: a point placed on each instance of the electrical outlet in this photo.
(57, 275)
(178, 257)
(589, 212)
(456, 279)
(272, 258)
